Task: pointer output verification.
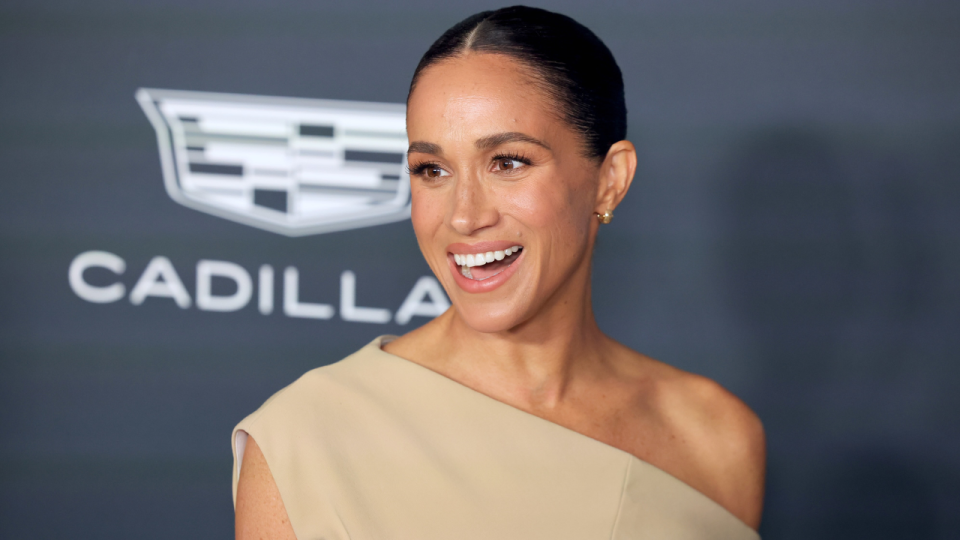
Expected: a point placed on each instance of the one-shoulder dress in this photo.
(375, 447)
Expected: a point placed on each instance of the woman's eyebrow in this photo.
(425, 148)
(493, 141)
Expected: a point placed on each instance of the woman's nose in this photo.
(472, 208)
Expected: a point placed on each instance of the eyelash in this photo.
(514, 156)
(419, 168)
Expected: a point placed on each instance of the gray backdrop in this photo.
(792, 232)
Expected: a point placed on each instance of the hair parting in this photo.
(568, 62)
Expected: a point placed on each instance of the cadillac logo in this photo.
(287, 165)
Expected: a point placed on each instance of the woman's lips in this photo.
(483, 259)
(480, 275)
(481, 266)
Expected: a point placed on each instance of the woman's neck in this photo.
(530, 365)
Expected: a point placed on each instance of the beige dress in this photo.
(375, 447)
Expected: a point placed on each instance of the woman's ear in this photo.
(616, 174)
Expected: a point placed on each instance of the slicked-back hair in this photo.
(568, 61)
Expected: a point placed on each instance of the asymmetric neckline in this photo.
(376, 345)
(377, 446)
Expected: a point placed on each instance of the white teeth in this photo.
(480, 259)
(466, 272)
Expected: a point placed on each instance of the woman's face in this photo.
(495, 170)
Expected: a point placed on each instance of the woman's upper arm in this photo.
(260, 513)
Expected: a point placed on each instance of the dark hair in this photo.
(569, 61)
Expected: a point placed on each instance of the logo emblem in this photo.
(286, 165)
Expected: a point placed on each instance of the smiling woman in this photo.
(511, 415)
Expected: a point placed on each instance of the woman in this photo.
(511, 415)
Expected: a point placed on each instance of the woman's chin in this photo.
(489, 320)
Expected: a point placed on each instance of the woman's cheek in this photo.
(426, 212)
(535, 202)
(550, 208)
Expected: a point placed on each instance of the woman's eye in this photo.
(428, 170)
(433, 172)
(508, 164)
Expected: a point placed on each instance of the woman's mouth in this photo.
(485, 265)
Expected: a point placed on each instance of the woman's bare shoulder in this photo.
(260, 512)
(721, 439)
